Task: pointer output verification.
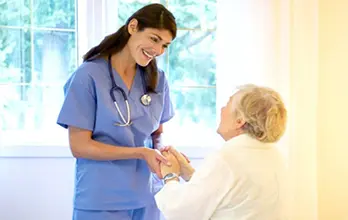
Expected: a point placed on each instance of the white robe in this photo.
(244, 180)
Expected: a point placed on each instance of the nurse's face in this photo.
(147, 44)
(230, 123)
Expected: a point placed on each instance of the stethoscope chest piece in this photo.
(145, 99)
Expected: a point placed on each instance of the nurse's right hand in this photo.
(153, 159)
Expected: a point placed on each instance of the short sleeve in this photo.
(168, 109)
(79, 106)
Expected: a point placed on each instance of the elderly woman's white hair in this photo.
(263, 111)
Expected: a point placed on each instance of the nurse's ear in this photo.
(133, 26)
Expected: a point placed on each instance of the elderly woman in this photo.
(245, 179)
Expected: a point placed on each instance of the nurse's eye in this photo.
(154, 39)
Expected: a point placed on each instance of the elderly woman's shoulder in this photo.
(231, 154)
(245, 153)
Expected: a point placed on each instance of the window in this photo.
(190, 64)
(40, 46)
(37, 53)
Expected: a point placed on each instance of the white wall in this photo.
(38, 188)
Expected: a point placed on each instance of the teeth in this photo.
(147, 54)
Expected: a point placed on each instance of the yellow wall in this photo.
(302, 109)
(313, 46)
(332, 153)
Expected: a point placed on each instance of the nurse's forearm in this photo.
(83, 146)
(99, 151)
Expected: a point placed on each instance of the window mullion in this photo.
(34, 76)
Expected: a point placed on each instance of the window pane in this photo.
(195, 117)
(127, 7)
(55, 56)
(9, 107)
(192, 59)
(54, 14)
(30, 112)
(15, 56)
(32, 99)
(14, 12)
(194, 14)
(18, 106)
(162, 62)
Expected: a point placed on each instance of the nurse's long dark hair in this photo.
(150, 16)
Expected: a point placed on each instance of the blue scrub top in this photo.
(118, 184)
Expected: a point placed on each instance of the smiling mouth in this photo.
(148, 55)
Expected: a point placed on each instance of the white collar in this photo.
(244, 140)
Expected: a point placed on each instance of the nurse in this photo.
(115, 104)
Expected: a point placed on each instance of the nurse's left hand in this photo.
(153, 159)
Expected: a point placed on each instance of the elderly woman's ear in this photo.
(240, 122)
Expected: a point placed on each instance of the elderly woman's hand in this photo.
(175, 166)
(186, 170)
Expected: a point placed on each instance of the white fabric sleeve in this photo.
(198, 198)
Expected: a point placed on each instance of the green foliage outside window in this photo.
(28, 28)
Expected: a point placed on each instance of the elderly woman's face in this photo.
(230, 125)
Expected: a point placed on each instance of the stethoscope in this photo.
(144, 99)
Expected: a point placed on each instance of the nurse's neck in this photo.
(124, 63)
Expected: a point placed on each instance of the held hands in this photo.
(153, 159)
(185, 168)
(175, 166)
(168, 160)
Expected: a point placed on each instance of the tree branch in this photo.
(196, 41)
